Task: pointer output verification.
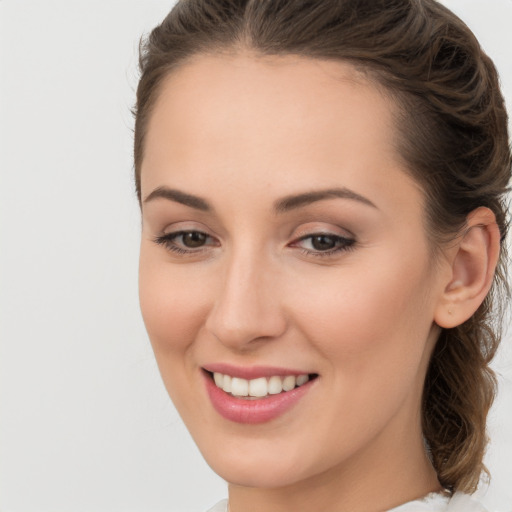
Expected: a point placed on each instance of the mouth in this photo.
(262, 398)
(261, 387)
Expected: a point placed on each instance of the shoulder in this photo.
(436, 502)
(222, 506)
(461, 502)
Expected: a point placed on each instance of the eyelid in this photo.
(323, 233)
(312, 229)
(177, 228)
(342, 244)
(168, 241)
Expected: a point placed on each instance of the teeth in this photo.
(226, 383)
(239, 387)
(260, 387)
(302, 379)
(289, 382)
(275, 385)
(219, 379)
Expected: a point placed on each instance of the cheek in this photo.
(173, 309)
(171, 303)
(370, 319)
(371, 328)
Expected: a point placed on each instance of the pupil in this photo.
(323, 242)
(194, 239)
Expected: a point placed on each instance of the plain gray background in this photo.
(85, 423)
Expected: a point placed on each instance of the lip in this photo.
(251, 372)
(260, 410)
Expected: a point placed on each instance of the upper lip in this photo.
(251, 372)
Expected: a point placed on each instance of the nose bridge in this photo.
(247, 305)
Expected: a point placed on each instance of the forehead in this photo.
(225, 93)
(283, 120)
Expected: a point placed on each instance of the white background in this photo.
(85, 424)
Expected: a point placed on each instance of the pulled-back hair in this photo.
(452, 135)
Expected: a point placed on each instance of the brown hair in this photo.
(453, 137)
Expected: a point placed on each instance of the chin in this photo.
(250, 474)
(262, 464)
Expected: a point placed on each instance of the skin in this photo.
(242, 132)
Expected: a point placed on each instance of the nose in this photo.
(247, 307)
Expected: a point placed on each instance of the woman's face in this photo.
(282, 238)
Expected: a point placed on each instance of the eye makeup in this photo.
(193, 242)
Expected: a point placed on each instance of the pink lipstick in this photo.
(255, 394)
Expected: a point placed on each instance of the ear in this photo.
(472, 260)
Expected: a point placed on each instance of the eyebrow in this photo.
(180, 197)
(297, 201)
(283, 205)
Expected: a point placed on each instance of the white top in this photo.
(433, 502)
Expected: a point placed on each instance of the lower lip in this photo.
(254, 411)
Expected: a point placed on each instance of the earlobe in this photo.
(473, 263)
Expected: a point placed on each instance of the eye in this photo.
(324, 244)
(185, 242)
(193, 239)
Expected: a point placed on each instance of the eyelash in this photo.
(167, 241)
(343, 243)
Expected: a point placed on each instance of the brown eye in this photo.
(193, 239)
(186, 242)
(323, 242)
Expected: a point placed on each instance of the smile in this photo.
(254, 396)
(260, 387)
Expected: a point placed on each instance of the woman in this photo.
(322, 256)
